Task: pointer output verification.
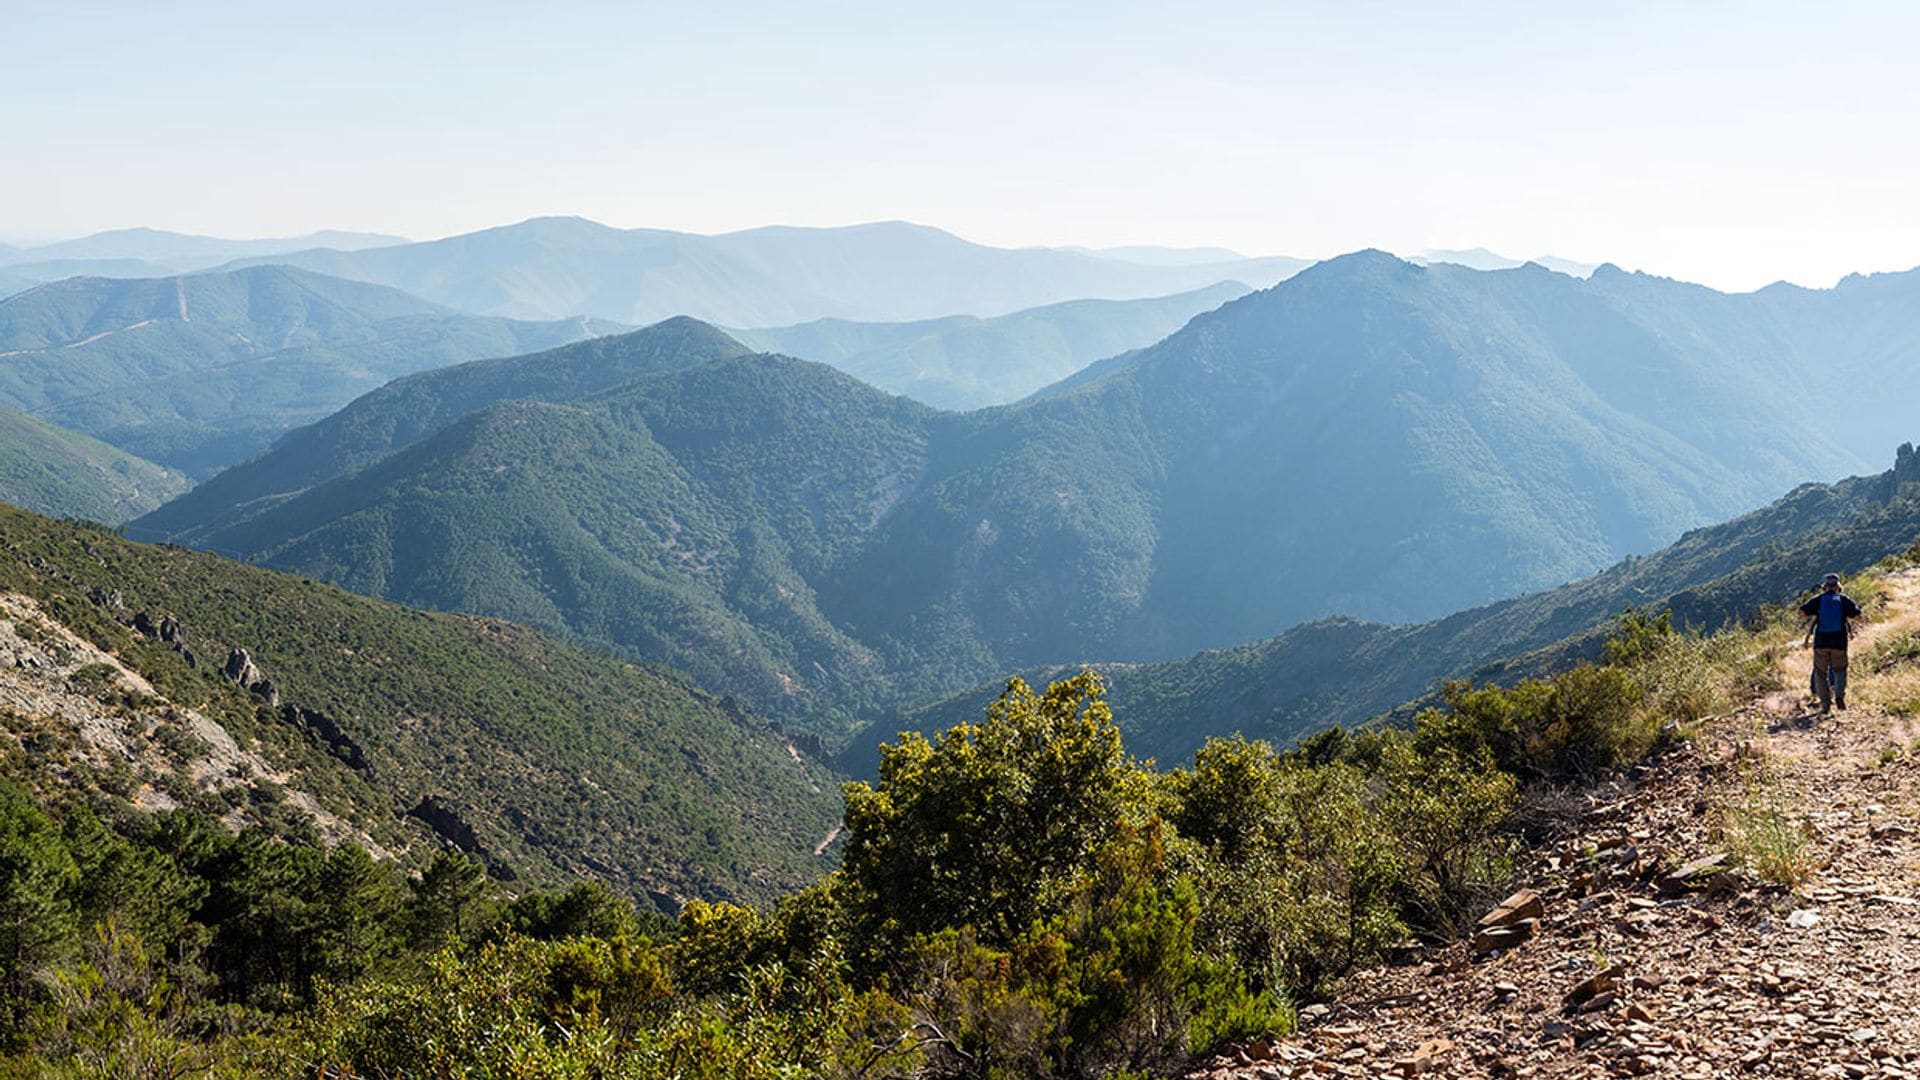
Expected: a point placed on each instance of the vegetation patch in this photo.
(1764, 825)
(1018, 898)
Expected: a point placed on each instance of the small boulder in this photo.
(1693, 875)
(1504, 937)
(1521, 906)
(1606, 981)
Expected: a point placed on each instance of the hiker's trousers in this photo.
(1829, 673)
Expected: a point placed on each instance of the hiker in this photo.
(1832, 612)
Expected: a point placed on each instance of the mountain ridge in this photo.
(199, 371)
(177, 252)
(1431, 418)
(965, 362)
(766, 276)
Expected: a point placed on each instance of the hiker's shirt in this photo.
(1828, 638)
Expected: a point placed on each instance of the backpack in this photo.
(1833, 614)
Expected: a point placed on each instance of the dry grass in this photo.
(1763, 824)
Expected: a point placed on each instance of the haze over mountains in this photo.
(1369, 438)
(1481, 259)
(145, 252)
(551, 268)
(1344, 671)
(200, 371)
(964, 362)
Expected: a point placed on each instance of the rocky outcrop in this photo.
(1906, 471)
(167, 630)
(242, 672)
(447, 823)
(1509, 925)
(325, 729)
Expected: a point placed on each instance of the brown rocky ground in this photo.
(1642, 965)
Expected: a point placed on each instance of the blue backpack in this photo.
(1833, 614)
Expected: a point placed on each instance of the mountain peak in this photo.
(692, 332)
(1367, 263)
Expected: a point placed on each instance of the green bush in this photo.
(1299, 873)
(1116, 983)
(1572, 726)
(1018, 898)
(1448, 809)
(986, 827)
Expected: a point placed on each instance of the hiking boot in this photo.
(1825, 706)
(1840, 703)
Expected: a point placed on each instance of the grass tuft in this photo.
(1765, 827)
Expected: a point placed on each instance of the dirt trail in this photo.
(1736, 978)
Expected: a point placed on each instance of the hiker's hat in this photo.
(1831, 579)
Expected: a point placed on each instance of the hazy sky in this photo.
(1729, 143)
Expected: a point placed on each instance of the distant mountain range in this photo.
(131, 253)
(1482, 259)
(1157, 255)
(61, 473)
(200, 371)
(550, 268)
(1370, 438)
(963, 362)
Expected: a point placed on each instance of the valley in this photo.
(833, 555)
(905, 542)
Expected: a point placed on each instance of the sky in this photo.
(1731, 144)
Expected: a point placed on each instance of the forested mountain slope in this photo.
(201, 371)
(119, 677)
(412, 408)
(63, 473)
(1345, 671)
(1369, 438)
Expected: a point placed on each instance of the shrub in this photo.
(1573, 726)
(1113, 984)
(1300, 877)
(986, 826)
(1448, 810)
(717, 945)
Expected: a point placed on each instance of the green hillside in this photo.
(65, 474)
(890, 271)
(1370, 439)
(201, 371)
(562, 763)
(689, 535)
(963, 362)
(409, 409)
(1345, 671)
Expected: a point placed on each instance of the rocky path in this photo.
(1652, 953)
